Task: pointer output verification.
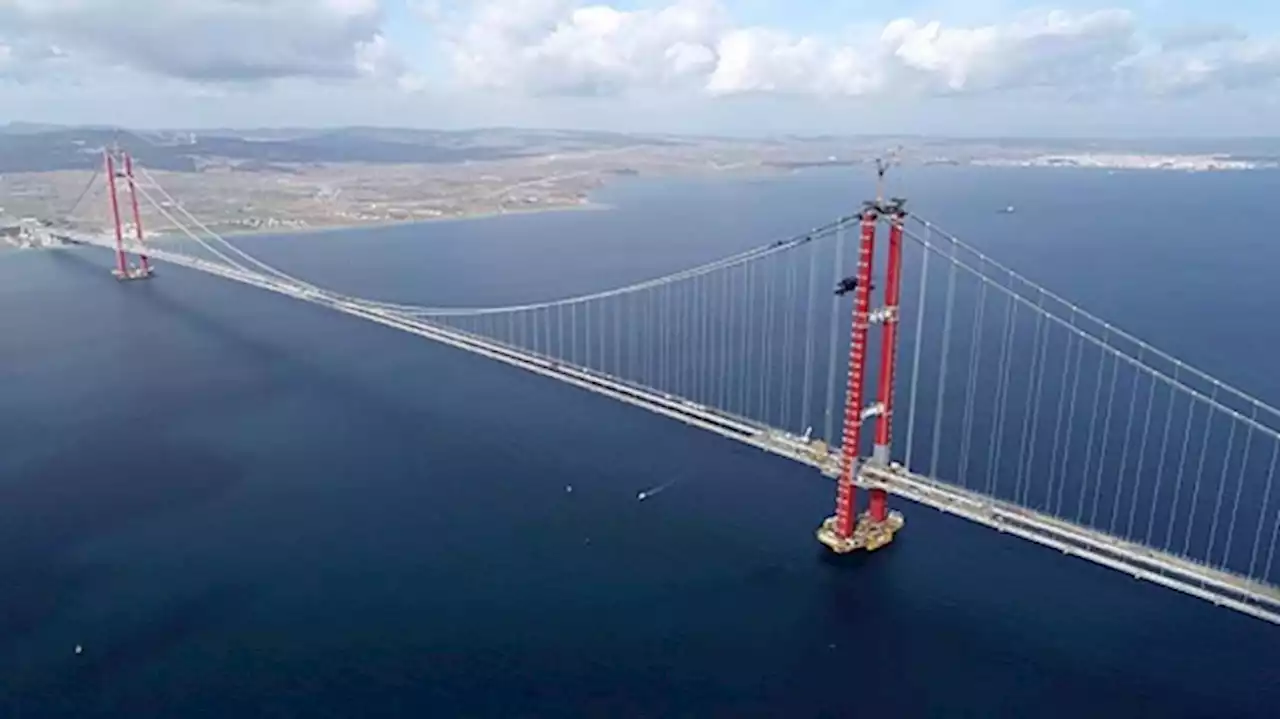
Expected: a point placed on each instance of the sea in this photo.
(218, 502)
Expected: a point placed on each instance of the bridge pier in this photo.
(849, 530)
(868, 533)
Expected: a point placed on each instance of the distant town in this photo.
(1183, 163)
(239, 181)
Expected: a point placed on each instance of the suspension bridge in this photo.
(992, 398)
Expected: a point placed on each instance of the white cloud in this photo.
(1053, 48)
(568, 47)
(1198, 35)
(429, 10)
(687, 64)
(908, 57)
(20, 60)
(562, 47)
(1219, 62)
(209, 40)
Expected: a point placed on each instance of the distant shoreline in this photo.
(589, 205)
(592, 205)
(171, 233)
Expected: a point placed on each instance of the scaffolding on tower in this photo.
(847, 530)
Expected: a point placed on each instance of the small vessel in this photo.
(1007, 210)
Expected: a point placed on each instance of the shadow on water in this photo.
(156, 300)
(169, 628)
(77, 495)
(89, 484)
(96, 682)
(281, 370)
(853, 561)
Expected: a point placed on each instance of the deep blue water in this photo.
(244, 506)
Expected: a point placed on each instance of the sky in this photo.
(1121, 68)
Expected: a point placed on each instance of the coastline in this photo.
(756, 172)
(590, 206)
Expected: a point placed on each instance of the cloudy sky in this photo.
(965, 67)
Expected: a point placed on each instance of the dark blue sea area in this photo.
(239, 505)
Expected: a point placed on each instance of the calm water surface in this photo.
(244, 506)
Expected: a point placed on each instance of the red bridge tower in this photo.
(848, 530)
(123, 169)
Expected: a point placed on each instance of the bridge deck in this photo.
(1168, 570)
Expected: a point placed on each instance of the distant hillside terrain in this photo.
(41, 148)
(290, 179)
